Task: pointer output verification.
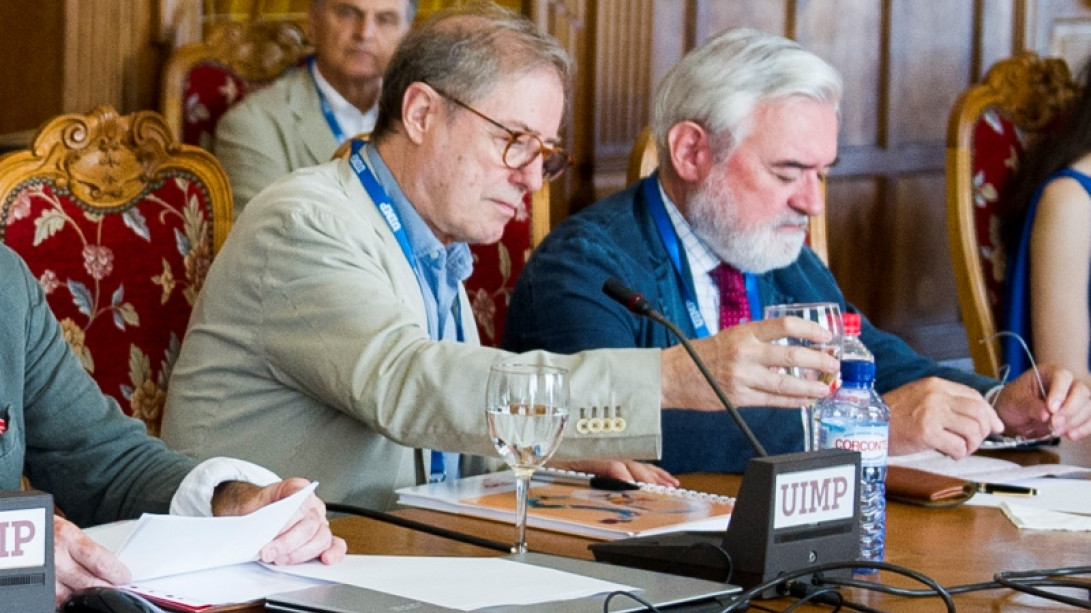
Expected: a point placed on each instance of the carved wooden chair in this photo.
(202, 80)
(643, 161)
(119, 223)
(988, 130)
(497, 266)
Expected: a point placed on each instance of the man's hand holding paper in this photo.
(285, 523)
(305, 537)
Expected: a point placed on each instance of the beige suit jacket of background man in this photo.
(308, 353)
(272, 132)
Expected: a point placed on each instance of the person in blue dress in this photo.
(1048, 239)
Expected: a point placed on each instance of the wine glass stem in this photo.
(522, 484)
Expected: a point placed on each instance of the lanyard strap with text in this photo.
(667, 233)
(394, 222)
(327, 110)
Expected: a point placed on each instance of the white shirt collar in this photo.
(350, 118)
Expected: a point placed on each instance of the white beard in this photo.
(714, 217)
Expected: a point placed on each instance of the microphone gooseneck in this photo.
(637, 304)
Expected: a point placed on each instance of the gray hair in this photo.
(465, 51)
(410, 9)
(718, 85)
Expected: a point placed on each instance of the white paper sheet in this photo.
(979, 468)
(111, 535)
(161, 545)
(225, 585)
(1066, 495)
(457, 583)
(1029, 518)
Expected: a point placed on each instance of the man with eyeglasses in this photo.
(301, 118)
(333, 334)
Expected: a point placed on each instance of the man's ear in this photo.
(419, 106)
(690, 151)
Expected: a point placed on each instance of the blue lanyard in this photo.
(667, 233)
(327, 110)
(437, 466)
(394, 222)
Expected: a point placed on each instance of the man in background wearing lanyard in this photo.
(746, 128)
(301, 118)
(333, 333)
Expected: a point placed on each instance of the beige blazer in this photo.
(308, 353)
(270, 133)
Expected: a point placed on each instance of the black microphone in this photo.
(794, 510)
(636, 303)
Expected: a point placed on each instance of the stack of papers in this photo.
(201, 563)
(1058, 504)
(205, 564)
(980, 468)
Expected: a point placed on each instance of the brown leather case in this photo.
(926, 489)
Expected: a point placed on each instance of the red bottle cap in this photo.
(851, 322)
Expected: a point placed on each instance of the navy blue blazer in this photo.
(558, 305)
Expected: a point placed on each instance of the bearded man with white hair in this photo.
(746, 130)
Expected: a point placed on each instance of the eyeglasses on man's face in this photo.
(522, 147)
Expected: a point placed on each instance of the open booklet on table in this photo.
(575, 509)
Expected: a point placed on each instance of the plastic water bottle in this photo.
(856, 418)
(853, 349)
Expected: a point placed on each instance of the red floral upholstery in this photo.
(496, 267)
(997, 148)
(210, 89)
(989, 127)
(119, 225)
(203, 80)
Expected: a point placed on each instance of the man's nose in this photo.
(366, 26)
(530, 176)
(810, 198)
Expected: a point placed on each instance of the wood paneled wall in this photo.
(30, 91)
(69, 56)
(904, 63)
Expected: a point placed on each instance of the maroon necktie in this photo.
(734, 306)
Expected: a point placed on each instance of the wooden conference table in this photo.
(954, 546)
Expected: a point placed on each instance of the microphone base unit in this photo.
(691, 554)
(793, 511)
(26, 551)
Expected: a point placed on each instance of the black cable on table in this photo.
(338, 507)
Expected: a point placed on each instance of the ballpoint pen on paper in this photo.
(594, 482)
(1001, 489)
